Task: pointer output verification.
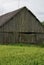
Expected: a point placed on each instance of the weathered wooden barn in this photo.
(21, 26)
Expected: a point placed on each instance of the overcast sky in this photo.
(36, 6)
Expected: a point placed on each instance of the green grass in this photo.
(21, 55)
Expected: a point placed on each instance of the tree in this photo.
(43, 23)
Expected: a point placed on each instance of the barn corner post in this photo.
(2, 31)
(3, 35)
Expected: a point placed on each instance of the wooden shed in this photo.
(21, 26)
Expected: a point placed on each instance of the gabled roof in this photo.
(5, 18)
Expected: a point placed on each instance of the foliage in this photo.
(21, 54)
(43, 23)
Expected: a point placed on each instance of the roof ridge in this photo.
(4, 18)
(13, 11)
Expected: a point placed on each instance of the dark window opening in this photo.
(31, 33)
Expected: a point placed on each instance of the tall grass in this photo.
(21, 54)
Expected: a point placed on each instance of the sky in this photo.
(36, 6)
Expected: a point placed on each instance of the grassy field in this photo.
(21, 55)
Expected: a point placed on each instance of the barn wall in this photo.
(27, 38)
(1, 38)
(31, 38)
(22, 22)
(9, 37)
(33, 23)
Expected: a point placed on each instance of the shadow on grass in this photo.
(25, 44)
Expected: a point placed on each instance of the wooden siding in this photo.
(24, 21)
(9, 37)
